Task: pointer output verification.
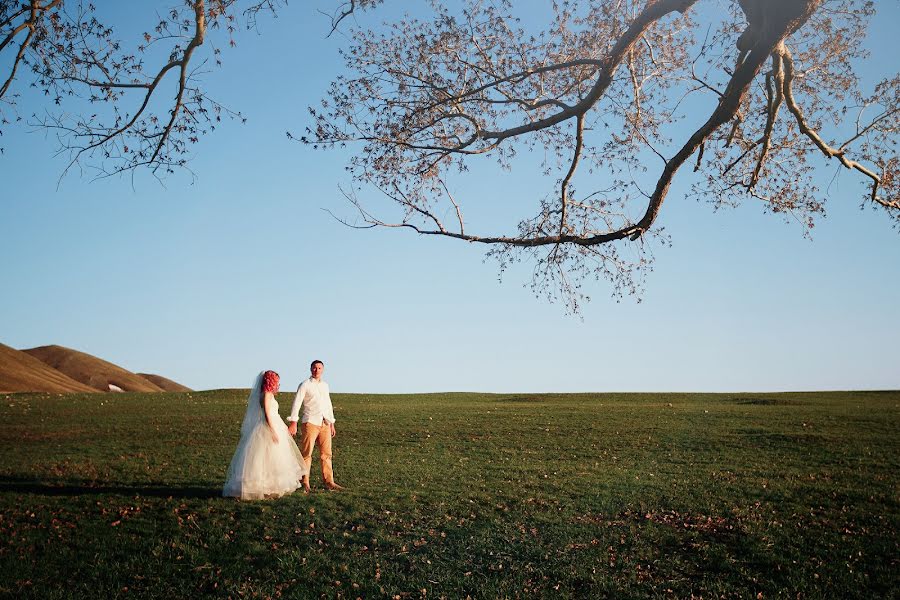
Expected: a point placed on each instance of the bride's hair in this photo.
(270, 381)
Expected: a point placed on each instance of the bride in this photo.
(266, 463)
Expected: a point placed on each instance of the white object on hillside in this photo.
(115, 388)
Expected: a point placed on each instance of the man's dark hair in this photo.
(313, 363)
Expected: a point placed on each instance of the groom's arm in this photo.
(295, 409)
(328, 410)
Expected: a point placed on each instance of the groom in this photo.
(317, 424)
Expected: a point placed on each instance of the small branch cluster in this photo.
(137, 116)
(768, 151)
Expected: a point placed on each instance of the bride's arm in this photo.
(271, 414)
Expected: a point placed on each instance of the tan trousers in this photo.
(320, 435)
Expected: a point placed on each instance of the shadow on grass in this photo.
(521, 399)
(101, 488)
(766, 401)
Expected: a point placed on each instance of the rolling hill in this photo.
(90, 370)
(166, 384)
(21, 372)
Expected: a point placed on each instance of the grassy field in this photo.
(456, 495)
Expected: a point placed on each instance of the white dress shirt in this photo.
(313, 396)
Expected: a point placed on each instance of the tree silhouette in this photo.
(619, 95)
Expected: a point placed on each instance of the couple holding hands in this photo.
(267, 462)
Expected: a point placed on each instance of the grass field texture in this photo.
(456, 495)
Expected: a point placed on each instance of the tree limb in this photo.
(827, 150)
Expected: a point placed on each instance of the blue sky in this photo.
(208, 281)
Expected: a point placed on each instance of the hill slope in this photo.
(166, 384)
(21, 372)
(90, 370)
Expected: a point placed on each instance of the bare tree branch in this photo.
(828, 151)
(36, 12)
(600, 97)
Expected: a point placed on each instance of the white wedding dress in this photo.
(260, 467)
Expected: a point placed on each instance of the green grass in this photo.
(455, 495)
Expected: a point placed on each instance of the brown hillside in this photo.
(166, 384)
(21, 372)
(90, 370)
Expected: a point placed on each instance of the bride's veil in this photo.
(254, 409)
